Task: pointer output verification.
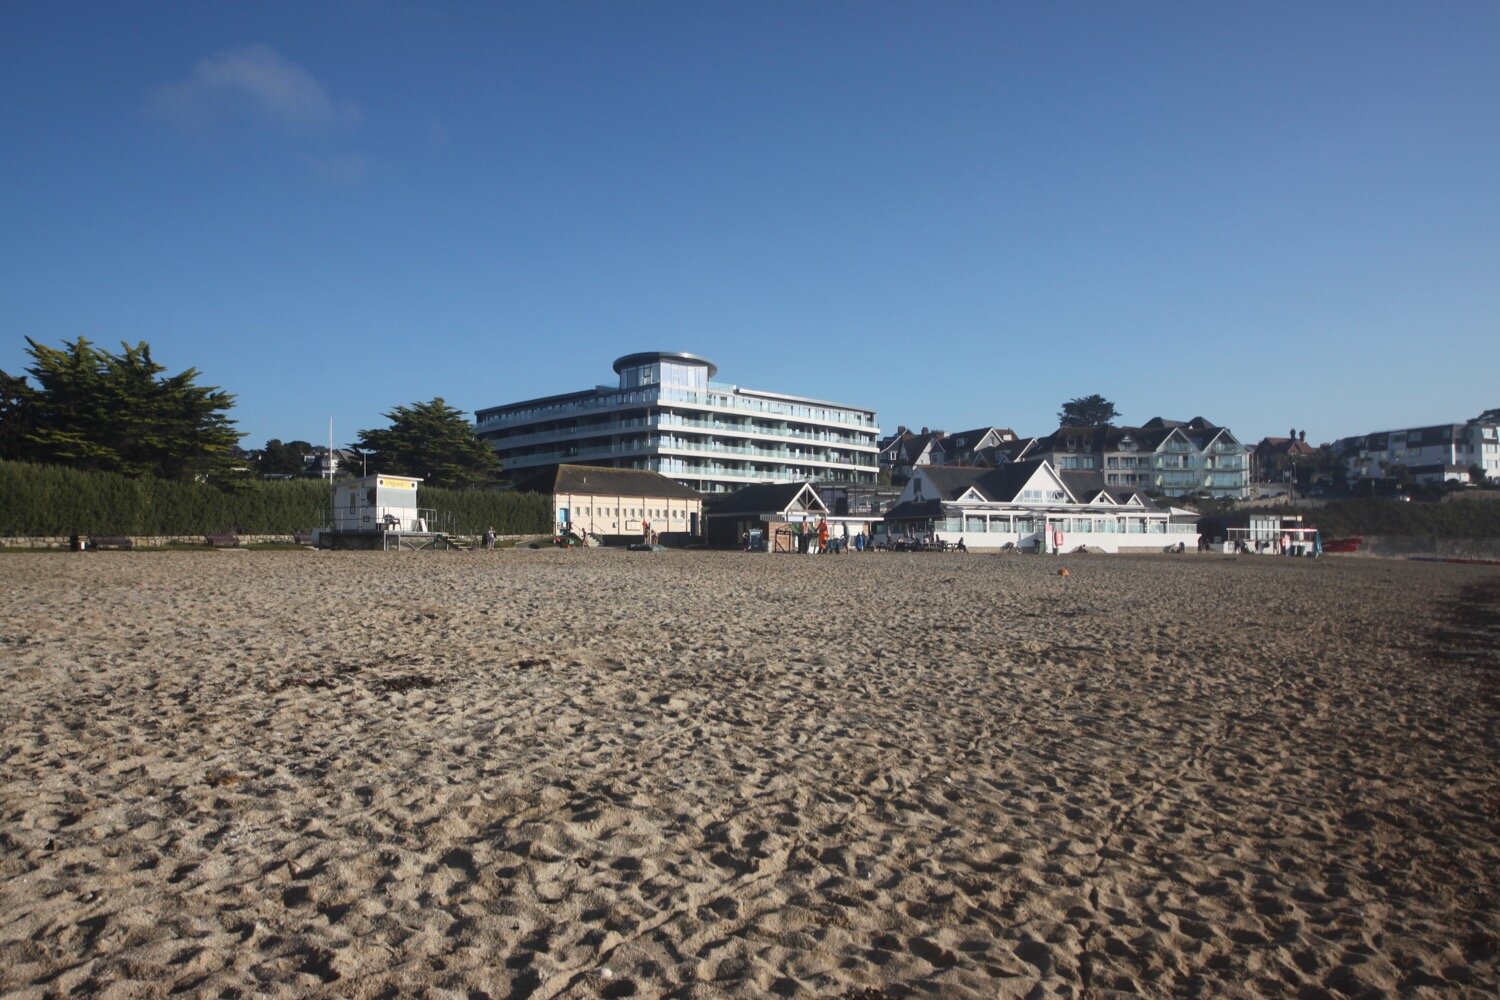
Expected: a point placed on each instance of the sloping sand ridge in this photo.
(540, 774)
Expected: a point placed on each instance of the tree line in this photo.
(95, 410)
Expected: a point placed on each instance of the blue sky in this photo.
(1272, 215)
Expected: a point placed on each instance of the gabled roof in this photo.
(768, 498)
(906, 447)
(920, 444)
(1075, 439)
(605, 481)
(1284, 446)
(949, 481)
(1150, 436)
(1195, 424)
(967, 442)
(1086, 486)
(1099, 439)
(892, 445)
(998, 485)
(1004, 484)
(1006, 452)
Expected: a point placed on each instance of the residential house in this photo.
(1017, 450)
(1171, 457)
(906, 449)
(1275, 459)
(968, 447)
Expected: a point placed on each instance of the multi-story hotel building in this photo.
(667, 416)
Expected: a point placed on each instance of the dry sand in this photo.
(540, 774)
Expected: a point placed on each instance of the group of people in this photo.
(818, 538)
(813, 539)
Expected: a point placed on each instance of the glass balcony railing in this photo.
(781, 459)
(667, 421)
(718, 398)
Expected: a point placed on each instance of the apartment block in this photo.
(667, 415)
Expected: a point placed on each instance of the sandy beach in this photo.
(599, 773)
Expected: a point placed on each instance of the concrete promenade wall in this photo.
(1428, 546)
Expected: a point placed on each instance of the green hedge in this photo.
(472, 511)
(53, 500)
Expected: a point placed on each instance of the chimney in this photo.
(1302, 436)
(1292, 433)
(924, 430)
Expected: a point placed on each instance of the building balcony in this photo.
(723, 399)
(654, 450)
(668, 420)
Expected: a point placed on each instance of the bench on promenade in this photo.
(111, 542)
(222, 541)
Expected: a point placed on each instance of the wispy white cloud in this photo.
(253, 80)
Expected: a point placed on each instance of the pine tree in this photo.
(1087, 411)
(96, 410)
(433, 442)
(17, 417)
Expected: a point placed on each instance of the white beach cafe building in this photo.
(1026, 504)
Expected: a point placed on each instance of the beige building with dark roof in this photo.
(620, 504)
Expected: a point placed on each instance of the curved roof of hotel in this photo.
(646, 357)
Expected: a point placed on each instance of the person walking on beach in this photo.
(822, 535)
(489, 538)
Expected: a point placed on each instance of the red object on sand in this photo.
(1351, 544)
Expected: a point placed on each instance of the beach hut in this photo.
(380, 512)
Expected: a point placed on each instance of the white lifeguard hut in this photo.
(381, 512)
